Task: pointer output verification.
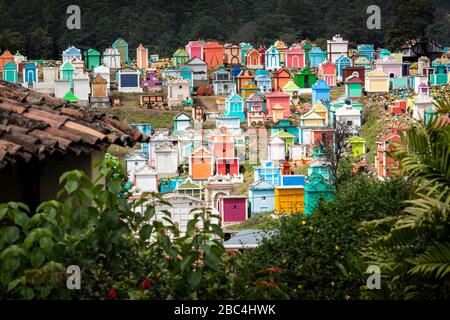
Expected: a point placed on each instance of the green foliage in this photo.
(409, 21)
(190, 266)
(92, 228)
(412, 248)
(435, 261)
(260, 221)
(98, 230)
(142, 258)
(130, 113)
(13, 41)
(40, 41)
(118, 172)
(308, 249)
(371, 129)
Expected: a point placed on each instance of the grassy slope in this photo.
(259, 222)
(129, 115)
(131, 112)
(371, 129)
(336, 92)
(377, 123)
(242, 188)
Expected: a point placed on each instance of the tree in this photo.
(168, 25)
(245, 33)
(208, 28)
(440, 30)
(97, 229)
(12, 41)
(334, 147)
(321, 43)
(308, 249)
(40, 44)
(409, 22)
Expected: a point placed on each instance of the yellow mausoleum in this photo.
(289, 199)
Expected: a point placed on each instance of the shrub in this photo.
(309, 249)
(121, 254)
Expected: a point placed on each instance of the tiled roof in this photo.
(353, 79)
(35, 126)
(213, 44)
(188, 185)
(277, 94)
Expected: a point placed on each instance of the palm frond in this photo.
(435, 261)
(399, 237)
(442, 104)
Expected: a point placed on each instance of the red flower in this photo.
(146, 284)
(269, 284)
(274, 270)
(112, 293)
(260, 283)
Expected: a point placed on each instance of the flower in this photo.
(274, 270)
(112, 293)
(146, 284)
(303, 222)
(269, 284)
(337, 248)
(347, 297)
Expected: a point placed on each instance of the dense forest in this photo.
(38, 28)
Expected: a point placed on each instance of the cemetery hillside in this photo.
(38, 28)
(225, 150)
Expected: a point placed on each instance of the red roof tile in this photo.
(34, 126)
(388, 137)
